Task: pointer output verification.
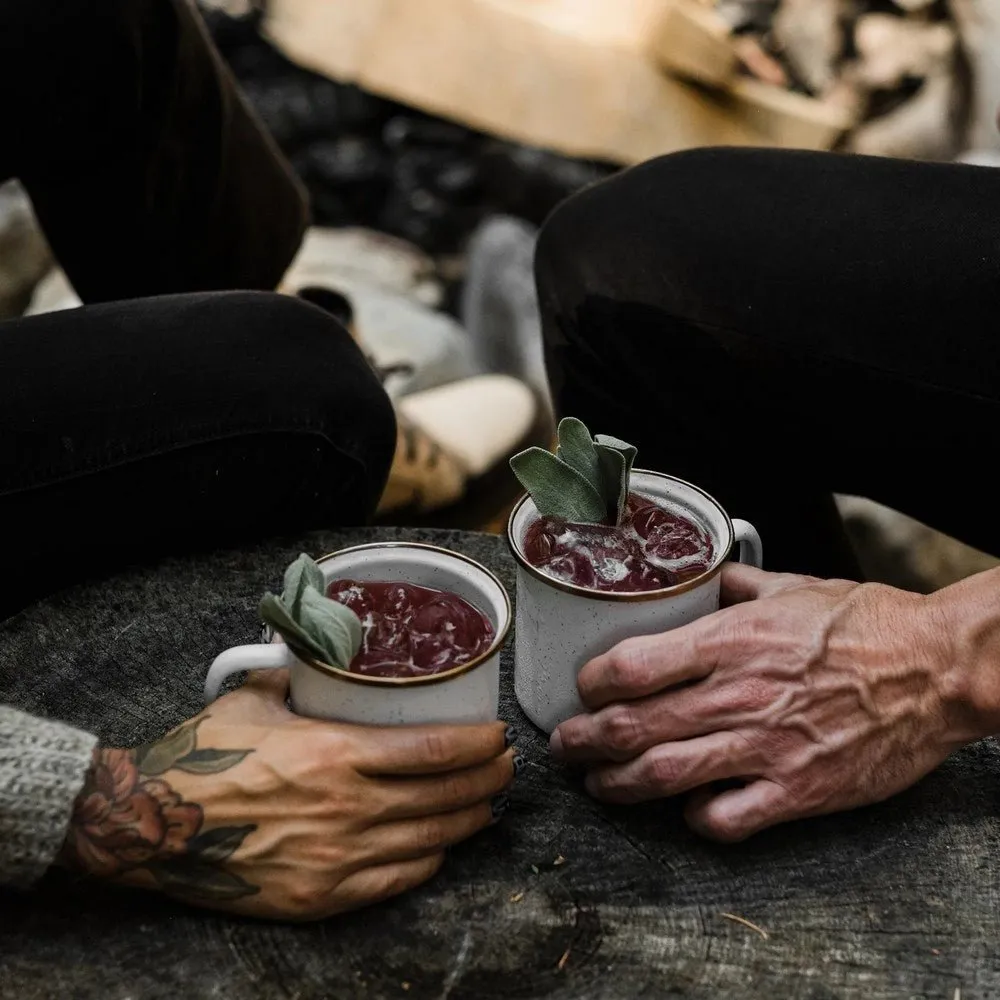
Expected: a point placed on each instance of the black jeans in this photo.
(166, 413)
(780, 326)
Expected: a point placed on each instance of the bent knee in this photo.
(652, 234)
(307, 370)
(609, 235)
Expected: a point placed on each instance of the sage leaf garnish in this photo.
(586, 481)
(577, 449)
(336, 628)
(277, 615)
(309, 621)
(614, 482)
(303, 574)
(557, 488)
(628, 450)
(608, 446)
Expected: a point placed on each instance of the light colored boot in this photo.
(452, 435)
(447, 435)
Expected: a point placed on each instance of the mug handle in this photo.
(750, 551)
(273, 656)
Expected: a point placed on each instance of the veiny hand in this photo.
(819, 695)
(253, 809)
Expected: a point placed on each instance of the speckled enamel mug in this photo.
(560, 626)
(469, 693)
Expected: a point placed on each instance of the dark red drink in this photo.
(410, 631)
(651, 549)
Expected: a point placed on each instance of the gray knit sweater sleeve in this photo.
(42, 768)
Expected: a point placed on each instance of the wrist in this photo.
(136, 821)
(966, 623)
(112, 822)
(73, 854)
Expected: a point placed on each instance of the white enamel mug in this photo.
(469, 693)
(560, 626)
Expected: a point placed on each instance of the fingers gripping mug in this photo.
(468, 693)
(561, 626)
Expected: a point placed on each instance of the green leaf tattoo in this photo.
(210, 761)
(148, 825)
(216, 845)
(157, 758)
(202, 881)
(309, 621)
(585, 481)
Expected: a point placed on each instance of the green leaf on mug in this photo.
(277, 615)
(616, 458)
(310, 622)
(576, 449)
(557, 489)
(334, 627)
(585, 481)
(302, 574)
(629, 451)
(614, 481)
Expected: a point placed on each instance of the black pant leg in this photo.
(137, 429)
(776, 326)
(149, 172)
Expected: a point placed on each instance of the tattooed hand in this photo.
(252, 809)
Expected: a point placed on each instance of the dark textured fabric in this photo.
(777, 326)
(890, 902)
(148, 171)
(144, 426)
(130, 430)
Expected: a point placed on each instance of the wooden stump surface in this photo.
(896, 901)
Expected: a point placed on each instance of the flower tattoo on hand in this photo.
(129, 818)
(123, 821)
